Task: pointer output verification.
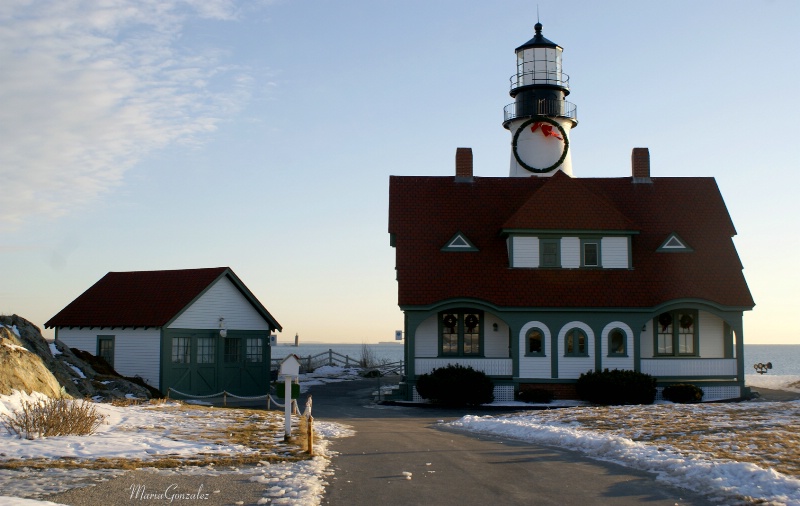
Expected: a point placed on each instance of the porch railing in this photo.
(489, 366)
(689, 366)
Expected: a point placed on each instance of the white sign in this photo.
(398, 335)
(273, 340)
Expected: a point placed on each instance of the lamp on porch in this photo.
(223, 331)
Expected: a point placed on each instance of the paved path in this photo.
(448, 467)
(455, 468)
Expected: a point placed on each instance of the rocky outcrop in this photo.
(28, 362)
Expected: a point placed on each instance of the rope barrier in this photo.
(224, 394)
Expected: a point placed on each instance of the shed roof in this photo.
(146, 298)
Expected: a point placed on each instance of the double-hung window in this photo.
(461, 332)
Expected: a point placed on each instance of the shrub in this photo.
(616, 387)
(53, 417)
(683, 393)
(536, 395)
(456, 385)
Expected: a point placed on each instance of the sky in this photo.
(260, 135)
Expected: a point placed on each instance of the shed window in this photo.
(255, 349)
(180, 350)
(105, 349)
(233, 351)
(206, 348)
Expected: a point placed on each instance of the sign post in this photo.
(290, 369)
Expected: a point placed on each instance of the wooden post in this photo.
(287, 385)
(330, 357)
(310, 435)
(225, 398)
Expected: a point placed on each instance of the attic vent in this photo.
(674, 243)
(459, 242)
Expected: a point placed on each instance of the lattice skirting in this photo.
(501, 393)
(712, 393)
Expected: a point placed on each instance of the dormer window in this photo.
(549, 251)
(590, 253)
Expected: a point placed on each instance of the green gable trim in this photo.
(674, 244)
(566, 232)
(459, 242)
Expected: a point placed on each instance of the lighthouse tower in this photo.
(539, 119)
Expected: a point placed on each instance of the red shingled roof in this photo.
(424, 212)
(144, 298)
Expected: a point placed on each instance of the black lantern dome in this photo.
(539, 85)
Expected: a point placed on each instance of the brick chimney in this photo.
(464, 165)
(640, 165)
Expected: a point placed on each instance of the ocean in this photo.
(785, 358)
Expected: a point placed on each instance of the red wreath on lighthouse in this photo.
(547, 130)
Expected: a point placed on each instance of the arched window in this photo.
(617, 343)
(575, 343)
(534, 340)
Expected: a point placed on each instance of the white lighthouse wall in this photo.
(541, 154)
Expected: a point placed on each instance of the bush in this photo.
(683, 393)
(456, 385)
(53, 417)
(617, 387)
(536, 395)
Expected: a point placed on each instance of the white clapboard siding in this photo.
(646, 341)
(690, 367)
(570, 252)
(495, 342)
(137, 352)
(712, 335)
(573, 367)
(426, 338)
(614, 251)
(525, 251)
(489, 366)
(222, 300)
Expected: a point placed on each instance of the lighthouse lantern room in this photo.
(540, 118)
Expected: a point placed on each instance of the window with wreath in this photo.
(617, 343)
(676, 333)
(461, 332)
(575, 343)
(535, 342)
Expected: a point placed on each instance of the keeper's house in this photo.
(538, 277)
(197, 331)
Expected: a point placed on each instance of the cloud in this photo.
(89, 87)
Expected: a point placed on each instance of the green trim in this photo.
(392, 240)
(564, 138)
(683, 249)
(565, 232)
(692, 303)
(468, 246)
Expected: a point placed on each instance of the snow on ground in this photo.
(729, 451)
(150, 432)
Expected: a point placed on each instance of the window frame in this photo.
(528, 352)
(576, 354)
(187, 350)
(624, 352)
(258, 356)
(460, 333)
(676, 334)
(591, 240)
(202, 351)
(543, 242)
(105, 339)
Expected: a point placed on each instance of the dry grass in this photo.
(53, 417)
(257, 436)
(767, 434)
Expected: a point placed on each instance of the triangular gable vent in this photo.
(674, 243)
(459, 242)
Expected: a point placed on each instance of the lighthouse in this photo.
(539, 119)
